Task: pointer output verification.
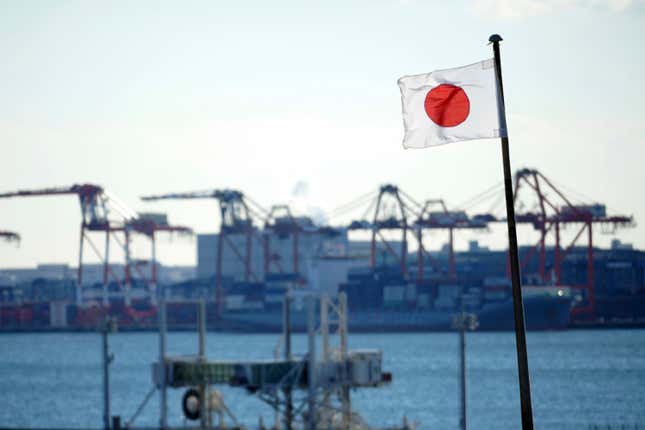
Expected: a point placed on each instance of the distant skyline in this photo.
(298, 103)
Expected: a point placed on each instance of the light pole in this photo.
(108, 326)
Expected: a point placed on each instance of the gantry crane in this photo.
(444, 219)
(542, 204)
(390, 213)
(280, 222)
(553, 210)
(241, 216)
(238, 216)
(103, 213)
(394, 209)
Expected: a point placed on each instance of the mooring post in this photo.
(346, 406)
(326, 348)
(116, 422)
(286, 324)
(311, 368)
(108, 325)
(163, 422)
(462, 371)
(203, 394)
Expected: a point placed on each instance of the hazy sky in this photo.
(148, 97)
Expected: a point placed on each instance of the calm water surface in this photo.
(579, 378)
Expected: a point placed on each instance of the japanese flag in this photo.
(451, 105)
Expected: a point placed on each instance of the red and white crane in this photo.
(392, 209)
(103, 213)
(238, 216)
(430, 218)
(281, 222)
(543, 205)
(551, 211)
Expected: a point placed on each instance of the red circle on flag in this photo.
(447, 105)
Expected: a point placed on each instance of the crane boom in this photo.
(210, 194)
(94, 201)
(9, 235)
(80, 189)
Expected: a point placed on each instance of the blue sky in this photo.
(147, 97)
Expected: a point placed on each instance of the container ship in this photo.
(381, 301)
(381, 298)
(378, 299)
(543, 312)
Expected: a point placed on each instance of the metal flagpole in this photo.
(518, 306)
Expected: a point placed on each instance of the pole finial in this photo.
(495, 38)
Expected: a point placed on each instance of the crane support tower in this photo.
(390, 213)
(307, 391)
(444, 219)
(280, 222)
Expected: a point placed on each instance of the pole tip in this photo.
(495, 38)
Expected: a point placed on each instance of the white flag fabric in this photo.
(450, 105)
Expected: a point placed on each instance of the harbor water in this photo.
(580, 379)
